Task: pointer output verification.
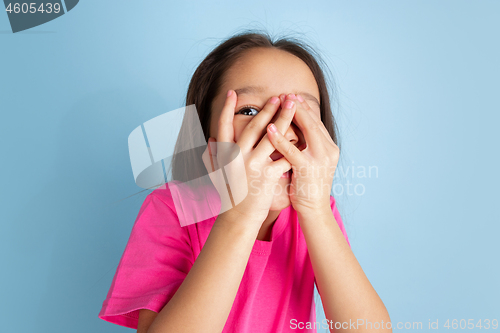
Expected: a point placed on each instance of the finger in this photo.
(225, 132)
(214, 157)
(255, 128)
(309, 127)
(265, 147)
(208, 156)
(205, 157)
(283, 98)
(285, 147)
(281, 166)
(303, 103)
(212, 150)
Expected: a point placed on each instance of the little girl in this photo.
(253, 267)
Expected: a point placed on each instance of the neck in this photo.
(267, 226)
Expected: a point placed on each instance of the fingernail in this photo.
(300, 98)
(274, 100)
(272, 128)
(289, 104)
(229, 93)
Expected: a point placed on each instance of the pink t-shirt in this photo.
(276, 290)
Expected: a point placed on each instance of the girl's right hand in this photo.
(250, 174)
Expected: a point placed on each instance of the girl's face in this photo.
(258, 75)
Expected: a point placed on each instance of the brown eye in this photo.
(246, 108)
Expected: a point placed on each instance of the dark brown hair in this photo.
(208, 78)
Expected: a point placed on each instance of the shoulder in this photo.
(166, 198)
(191, 203)
(157, 222)
(163, 194)
(333, 203)
(157, 213)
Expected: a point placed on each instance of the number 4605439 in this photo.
(470, 324)
(26, 8)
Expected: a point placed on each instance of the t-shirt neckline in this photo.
(261, 247)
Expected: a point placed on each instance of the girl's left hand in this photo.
(314, 167)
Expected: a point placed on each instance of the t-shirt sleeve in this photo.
(156, 259)
(336, 214)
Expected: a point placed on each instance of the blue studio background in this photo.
(418, 87)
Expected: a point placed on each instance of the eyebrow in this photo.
(259, 89)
